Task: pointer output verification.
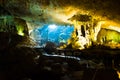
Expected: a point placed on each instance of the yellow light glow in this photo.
(115, 28)
(118, 74)
(97, 29)
(20, 30)
(82, 41)
(20, 33)
(111, 25)
(62, 14)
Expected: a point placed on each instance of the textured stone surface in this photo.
(42, 10)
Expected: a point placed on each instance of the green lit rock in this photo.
(108, 36)
(13, 25)
(21, 26)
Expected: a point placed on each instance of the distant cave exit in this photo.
(52, 33)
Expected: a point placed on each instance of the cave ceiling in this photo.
(59, 11)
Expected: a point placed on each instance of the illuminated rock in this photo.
(108, 36)
(13, 25)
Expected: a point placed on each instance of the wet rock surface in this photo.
(25, 63)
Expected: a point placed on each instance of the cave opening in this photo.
(57, 34)
(59, 40)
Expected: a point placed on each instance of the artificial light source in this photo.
(20, 33)
(20, 30)
(118, 74)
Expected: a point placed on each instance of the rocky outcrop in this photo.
(107, 36)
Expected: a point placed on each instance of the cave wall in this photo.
(108, 36)
(11, 23)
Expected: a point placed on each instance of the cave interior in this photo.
(59, 40)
